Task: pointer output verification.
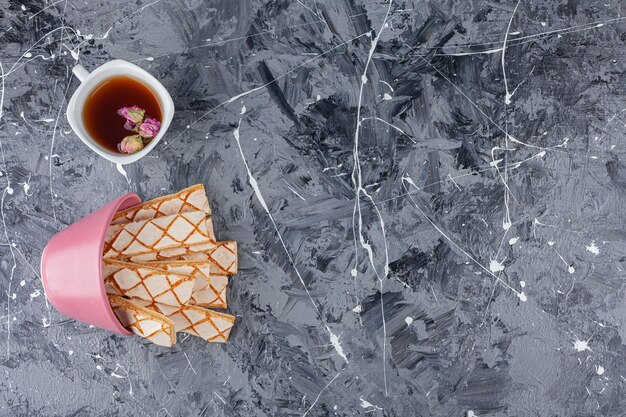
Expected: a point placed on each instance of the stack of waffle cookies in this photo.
(164, 271)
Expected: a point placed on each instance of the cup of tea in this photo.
(94, 109)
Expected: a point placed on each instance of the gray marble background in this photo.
(436, 226)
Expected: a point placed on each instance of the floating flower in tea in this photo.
(131, 144)
(149, 128)
(145, 127)
(133, 115)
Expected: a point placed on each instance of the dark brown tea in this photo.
(100, 116)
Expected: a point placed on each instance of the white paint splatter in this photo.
(441, 232)
(294, 191)
(508, 94)
(495, 266)
(358, 309)
(318, 98)
(22, 283)
(316, 398)
(513, 240)
(600, 370)
(522, 296)
(593, 248)
(23, 7)
(367, 404)
(522, 284)
(408, 321)
(334, 340)
(357, 218)
(550, 243)
(571, 269)
(150, 58)
(581, 345)
(387, 84)
(122, 171)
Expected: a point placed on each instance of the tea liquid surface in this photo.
(100, 116)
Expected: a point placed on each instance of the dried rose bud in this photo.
(131, 144)
(149, 128)
(133, 115)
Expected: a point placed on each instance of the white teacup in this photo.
(90, 80)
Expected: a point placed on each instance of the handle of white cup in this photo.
(80, 72)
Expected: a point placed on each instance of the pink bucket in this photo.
(71, 268)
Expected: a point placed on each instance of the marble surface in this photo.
(428, 198)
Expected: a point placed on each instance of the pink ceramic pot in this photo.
(71, 268)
